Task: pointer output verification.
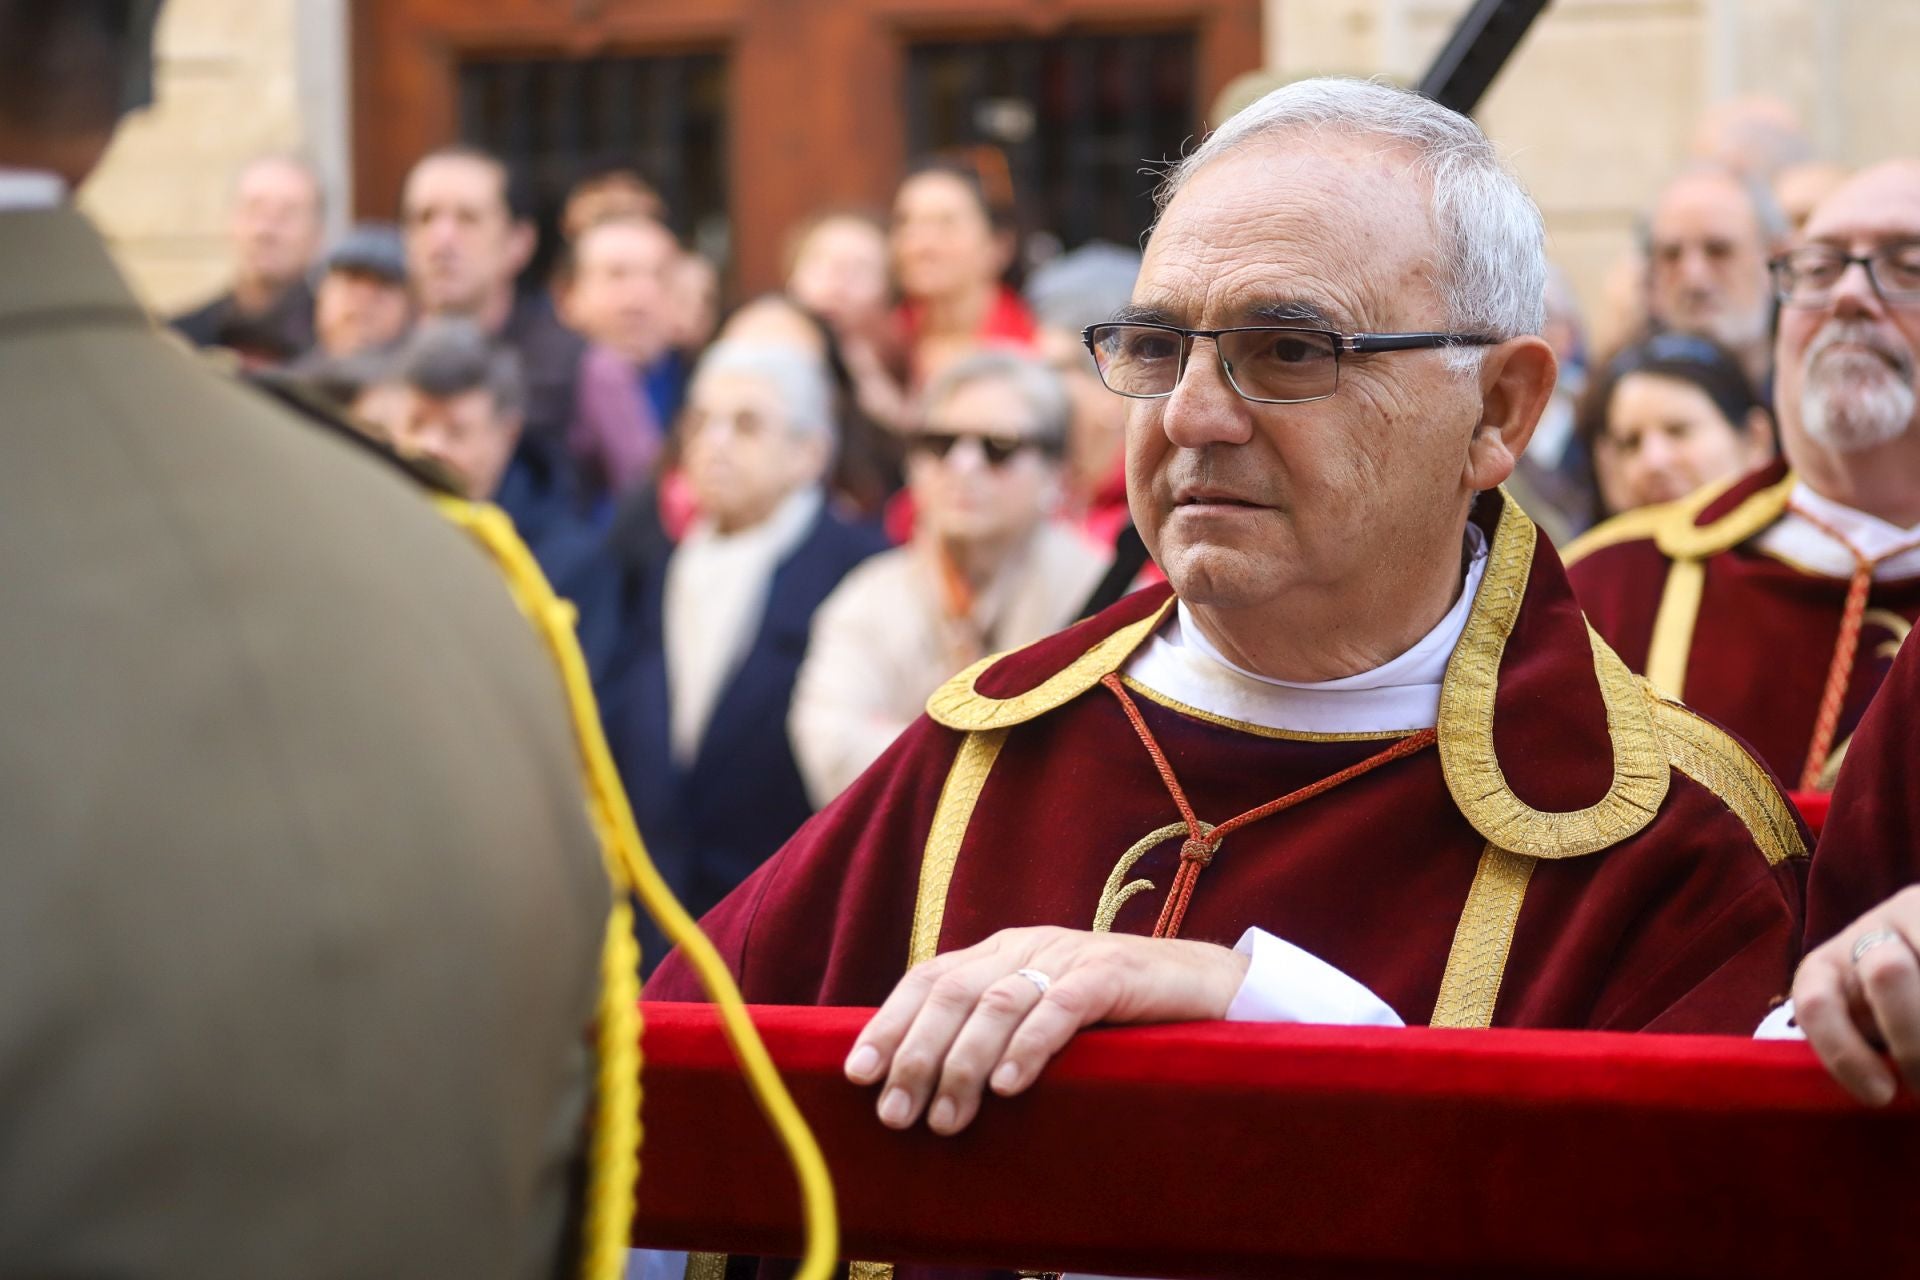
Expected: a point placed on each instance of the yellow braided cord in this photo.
(615, 1157)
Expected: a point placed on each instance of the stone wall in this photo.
(236, 78)
(1597, 106)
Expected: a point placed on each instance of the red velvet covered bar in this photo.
(1215, 1150)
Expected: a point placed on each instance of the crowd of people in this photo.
(810, 512)
(805, 514)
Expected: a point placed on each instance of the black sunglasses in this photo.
(997, 450)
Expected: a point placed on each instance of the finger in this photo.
(1889, 976)
(1076, 1000)
(1821, 1002)
(977, 1049)
(916, 1065)
(873, 1049)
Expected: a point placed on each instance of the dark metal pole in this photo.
(1488, 34)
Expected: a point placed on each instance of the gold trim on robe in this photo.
(1467, 756)
(1711, 757)
(961, 792)
(1477, 961)
(1671, 647)
(958, 705)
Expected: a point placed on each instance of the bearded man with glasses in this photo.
(1776, 602)
(1364, 733)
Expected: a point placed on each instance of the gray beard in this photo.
(1855, 404)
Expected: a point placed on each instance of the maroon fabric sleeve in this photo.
(826, 920)
(1619, 588)
(1870, 848)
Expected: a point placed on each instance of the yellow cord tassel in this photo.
(615, 1150)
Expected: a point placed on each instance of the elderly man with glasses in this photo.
(1775, 603)
(1365, 733)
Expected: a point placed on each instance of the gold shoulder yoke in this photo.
(1711, 757)
(958, 705)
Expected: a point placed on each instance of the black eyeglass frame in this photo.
(1779, 265)
(1351, 344)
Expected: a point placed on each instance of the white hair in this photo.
(1493, 267)
(796, 376)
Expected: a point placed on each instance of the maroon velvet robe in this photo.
(1763, 635)
(1672, 904)
(1870, 849)
(1655, 881)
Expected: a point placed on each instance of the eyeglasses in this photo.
(997, 450)
(1267, 364)
(1808, 276)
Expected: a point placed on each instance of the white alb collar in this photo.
(1800, 541)
(1399, 696)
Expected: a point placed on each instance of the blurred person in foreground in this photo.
(266, 314)
(1368, 670)
(1774, 603)
(1710, 238)
(1069, 293)
(953, 243)
(1668, 415)
(989, 568)
(300, 911)
(617, 292)
(696, 704)
(361, 303)
(467, 243)
(1857, 993)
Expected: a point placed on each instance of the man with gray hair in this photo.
(1364, 733)
(1775, 603)
(1708, 243)
(712, 639)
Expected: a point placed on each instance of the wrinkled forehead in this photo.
(1333, 229)
(1875, 207)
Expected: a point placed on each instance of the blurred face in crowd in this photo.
(1799, 188)
(1847, 357)
(695, 291)
(356, 311)
(742, 454)
(275, 224)
(1709, 262)
(944, 244)
(464, 247)
(469, 433)
(1245, 504)
(621, 294)
(975, 468)
(840, 273)
(1665, 437)
(1097, 433)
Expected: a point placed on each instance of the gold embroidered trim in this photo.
(706, 1266)
(1260, 730)
(1478, 959)
(1467, 757)
(1629, 526)
(965, 780)
(1672, 643)
(869, 1271)
(1712, 758)
(1679, 538)
(958, 705)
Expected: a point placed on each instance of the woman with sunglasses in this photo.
(987, 568)
(1669, 414)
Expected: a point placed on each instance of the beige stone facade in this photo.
(1595, 109)
(1598, 105)
(235, 79)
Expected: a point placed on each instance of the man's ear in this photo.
(1516, 382)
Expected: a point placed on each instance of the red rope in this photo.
(1200, 846)
(1833, 698)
